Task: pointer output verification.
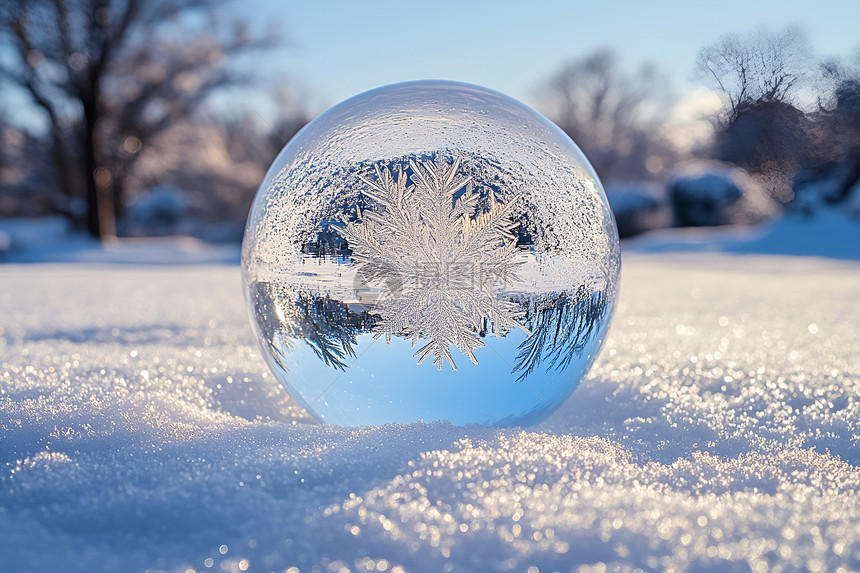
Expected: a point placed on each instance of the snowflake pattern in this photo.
(441, 254)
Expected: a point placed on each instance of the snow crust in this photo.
(719, 430)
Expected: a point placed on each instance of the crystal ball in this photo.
(430, 251)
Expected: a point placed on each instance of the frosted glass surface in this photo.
(430, 251)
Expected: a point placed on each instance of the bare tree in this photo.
(761, 128)
(613, 115)
(110, 75)
(761, 67)
(291, 116)
(838, 126)
(25, 181)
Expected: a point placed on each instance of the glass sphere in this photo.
(430, 251)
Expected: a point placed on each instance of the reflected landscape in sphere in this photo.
(430, 251)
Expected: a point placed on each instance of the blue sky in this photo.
(340, 48)
(335, 49)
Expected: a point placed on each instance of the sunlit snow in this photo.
(718, 430)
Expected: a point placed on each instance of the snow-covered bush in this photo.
(707, 193)
(638, 207)
(852, 201)
(5, 242)
(158, 211)
(826, 188)
(166, 210)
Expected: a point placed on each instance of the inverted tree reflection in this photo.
(328, 326)
(561, 328)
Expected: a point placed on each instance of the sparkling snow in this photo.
(719, 430)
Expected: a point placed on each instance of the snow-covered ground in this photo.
(829, 233)
(719, 430)
(50, 240)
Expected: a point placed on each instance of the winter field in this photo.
(719, 429)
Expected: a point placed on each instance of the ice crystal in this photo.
(441, 254)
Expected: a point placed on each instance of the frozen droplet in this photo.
(407, 261)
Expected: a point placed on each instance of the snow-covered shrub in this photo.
(638, 207)
(157, 211)
(5, 242)
(708, 193)
(829, 187)
(852, 201)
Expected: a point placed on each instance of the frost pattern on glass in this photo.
(430, 251)
(446, 258)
